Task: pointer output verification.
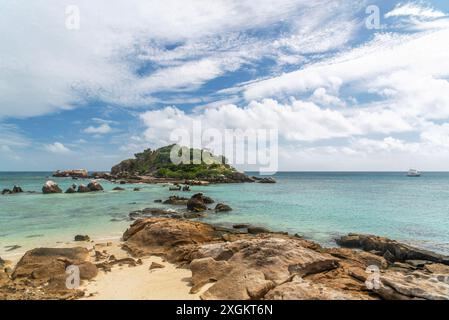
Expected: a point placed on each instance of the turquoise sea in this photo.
(317, 205)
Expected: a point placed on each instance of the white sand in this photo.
(139, 282)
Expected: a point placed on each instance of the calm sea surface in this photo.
(319, 206)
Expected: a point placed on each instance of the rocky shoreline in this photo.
(243, 262)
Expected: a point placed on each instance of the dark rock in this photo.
(51, 187)
(118, 189)
(257, 230)
(122, 182)
(266, 180)
(83, 189)
(175, 200)
(220, 207)
(158, 201)
(136, 189)
(6, 191)
(175, 188)
(82, 238)
(186, 188)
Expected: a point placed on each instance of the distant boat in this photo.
(413, 173)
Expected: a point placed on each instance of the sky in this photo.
(344, 92)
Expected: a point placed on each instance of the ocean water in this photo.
(319, 206)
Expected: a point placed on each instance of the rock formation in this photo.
(51, 187)
(77, 173)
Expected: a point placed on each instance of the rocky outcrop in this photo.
(163, 235)
(277, 266)
(77, 173)
(51, 187)
(390, 249)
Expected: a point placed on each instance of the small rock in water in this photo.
(17, 189)
(240, 226)
(136, 189)
(158, 201)
(118, 189)
(155, 265)
(82, 238)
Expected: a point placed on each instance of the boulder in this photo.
(162, 235)
(94, 186)
(77, 173)
(186, 188)
(201, 197)
(49, 263)
(393, 249)
(136, 189)
(196, 205)
(6, 191)
(83, 189)
(51, 187)
(221, 207)
(82, 238)
(118, 189)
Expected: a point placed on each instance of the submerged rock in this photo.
(82, 238)
(118, 189)
(51, 187)
(17, 189)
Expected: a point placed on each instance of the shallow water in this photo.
(319, 206)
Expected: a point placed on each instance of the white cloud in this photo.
(101, 129)
(57, 148)
(414, 9)
(57, 69)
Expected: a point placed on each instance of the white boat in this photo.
(413, 173)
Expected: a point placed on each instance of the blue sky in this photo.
(343, 96)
